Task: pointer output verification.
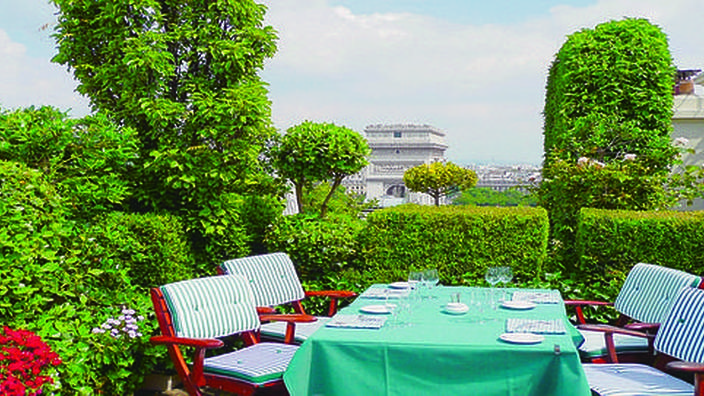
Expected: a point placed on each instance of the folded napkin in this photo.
(535, 326)
(356, 321)
(552, 297)
(382, 292)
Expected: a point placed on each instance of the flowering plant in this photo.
(23, 359)
(125, 324)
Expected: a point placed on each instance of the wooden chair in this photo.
(196, 313)
(680, 346)
(643, 301)
(275, 283)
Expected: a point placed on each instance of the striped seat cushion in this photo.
(211, 307)
(634, 380)
(681, 335)
(594, 344)
(259, 363)
(277, 330)
(272, 277)
(650, 290)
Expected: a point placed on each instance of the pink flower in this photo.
(629, 157)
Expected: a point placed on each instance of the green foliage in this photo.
(88, 160)
(341, 201)
(311, 152)
(60, 279)
(460, 241)
(612, 241)
(439, 179)
(184, 76)
(485, 196)
(608, 112)
(324, 251)
(318, 247)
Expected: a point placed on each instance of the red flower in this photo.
(23, 357)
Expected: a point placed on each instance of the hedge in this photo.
(460, 241)
(610, 242)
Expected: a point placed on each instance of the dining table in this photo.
(449, 340)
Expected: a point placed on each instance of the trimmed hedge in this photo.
(460, 241)
(610, 242)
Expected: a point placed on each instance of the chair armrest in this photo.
(687, 367)
(644, 327)
(291, 320)
(205, 343)
(579, 304)
(333, 295)
(200, 344)
(266, 310)
(609, 332)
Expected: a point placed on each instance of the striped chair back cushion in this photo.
(211, 307)
(650, 290)
(681, 335)
(272, 277)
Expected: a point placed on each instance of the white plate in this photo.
(522, 338)
(458, 309)
(376, 309)
(518, 305)
(399, 285)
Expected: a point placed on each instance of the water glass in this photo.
(431, 279)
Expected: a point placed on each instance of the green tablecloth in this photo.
(438, 354)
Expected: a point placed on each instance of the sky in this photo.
(474, 69)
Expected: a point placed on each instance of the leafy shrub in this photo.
(608, 100)
(89, 161)
(460, 241)
(323, 250)
(612, 241)
(318, 247)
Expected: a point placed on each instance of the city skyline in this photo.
(475, 70)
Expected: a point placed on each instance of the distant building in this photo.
(688, 120)
(394, 149)
(506, 177)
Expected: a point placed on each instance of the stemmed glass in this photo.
(505, 276)
(415, 281)
(492, 277)
(431, 278)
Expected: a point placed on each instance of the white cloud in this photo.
(482, 84)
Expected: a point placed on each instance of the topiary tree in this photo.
(310, 153)
(439, 179)
(608, 112)
(184, 76)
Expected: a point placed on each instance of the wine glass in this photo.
(431, 278)
(415, 281)
(505, 276)
(492, 277)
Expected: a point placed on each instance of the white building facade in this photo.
(394, 149)
(688, 122)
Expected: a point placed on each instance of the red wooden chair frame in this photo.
(194, 377)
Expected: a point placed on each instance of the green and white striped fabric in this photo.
(258, 363)
(272, 277)
(211, 307)
(650, 290)
(681, 335)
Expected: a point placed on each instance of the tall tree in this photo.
(183, 74)
(312, 152)
(439, 179)
(608, 112)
